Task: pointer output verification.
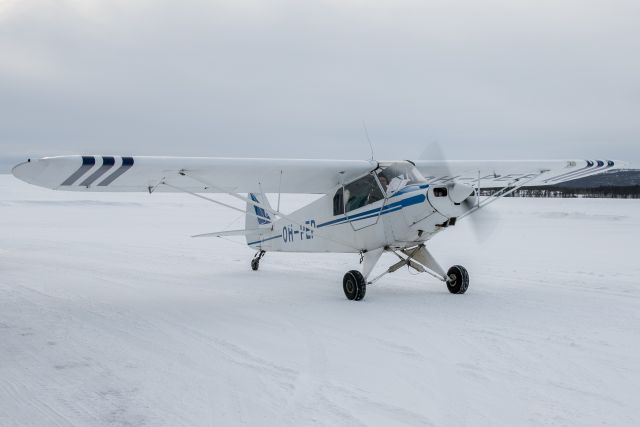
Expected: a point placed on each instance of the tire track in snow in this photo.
(309, 382)
(393, 412)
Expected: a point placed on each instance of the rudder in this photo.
(256, 218)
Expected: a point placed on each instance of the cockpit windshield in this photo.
(365, 190)
(397, 176)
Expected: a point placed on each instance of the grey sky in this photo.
(490, 79)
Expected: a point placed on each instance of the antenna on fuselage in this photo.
(366, 133)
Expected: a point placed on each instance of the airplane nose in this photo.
(460, 192)
(452, 200)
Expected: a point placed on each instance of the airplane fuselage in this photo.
(406, 218)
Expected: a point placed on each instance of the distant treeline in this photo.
(608, 192)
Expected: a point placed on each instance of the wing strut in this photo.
(236, 195)
(502, 193)
(212, 200)
(257, 204)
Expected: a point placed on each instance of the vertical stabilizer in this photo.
(256, 218)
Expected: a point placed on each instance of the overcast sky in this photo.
(486, 79)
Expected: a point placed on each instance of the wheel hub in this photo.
(350, 286)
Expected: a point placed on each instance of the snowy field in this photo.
(111, 315)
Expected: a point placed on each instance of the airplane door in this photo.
(363, 202)
(365, 217)
(395, 223)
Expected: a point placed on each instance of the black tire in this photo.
(255, 264)
(354, 285)
(458, 279)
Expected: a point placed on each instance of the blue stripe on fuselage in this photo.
(392, 207)
(396, 206)
(264, 240)
(410, 188)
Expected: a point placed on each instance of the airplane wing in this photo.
(501, 173)
(243, 175)
(195, 174)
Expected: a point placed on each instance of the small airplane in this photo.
(366, 207)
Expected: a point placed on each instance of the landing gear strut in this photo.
(255, 262)
(417, 258)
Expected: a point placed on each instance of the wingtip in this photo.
(47, 172)
(29, 170)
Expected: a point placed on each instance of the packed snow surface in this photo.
(110, 314)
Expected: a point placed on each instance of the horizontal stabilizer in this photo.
(225, 233)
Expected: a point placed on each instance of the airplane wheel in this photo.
(354, 285)
(255, 262)
(458, 279)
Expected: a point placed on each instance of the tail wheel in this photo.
(255, 262)
(458, 279)
(354, 285)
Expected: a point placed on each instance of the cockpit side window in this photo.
(362, 192)
(338, 203)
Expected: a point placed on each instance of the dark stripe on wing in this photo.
(107, 163)
(567, 174)
(87, 163)
(127, 163)
(600, 167)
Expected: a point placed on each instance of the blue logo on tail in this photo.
(263, 216)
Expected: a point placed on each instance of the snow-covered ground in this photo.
(111, 315)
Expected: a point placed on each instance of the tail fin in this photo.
(257, 218)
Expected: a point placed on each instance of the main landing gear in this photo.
(458, 279)
(255, 262)
(354, 285)
(417, 258)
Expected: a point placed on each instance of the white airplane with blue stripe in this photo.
(367, 207)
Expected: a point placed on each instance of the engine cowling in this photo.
(452, 200)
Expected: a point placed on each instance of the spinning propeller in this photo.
(481, 224)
